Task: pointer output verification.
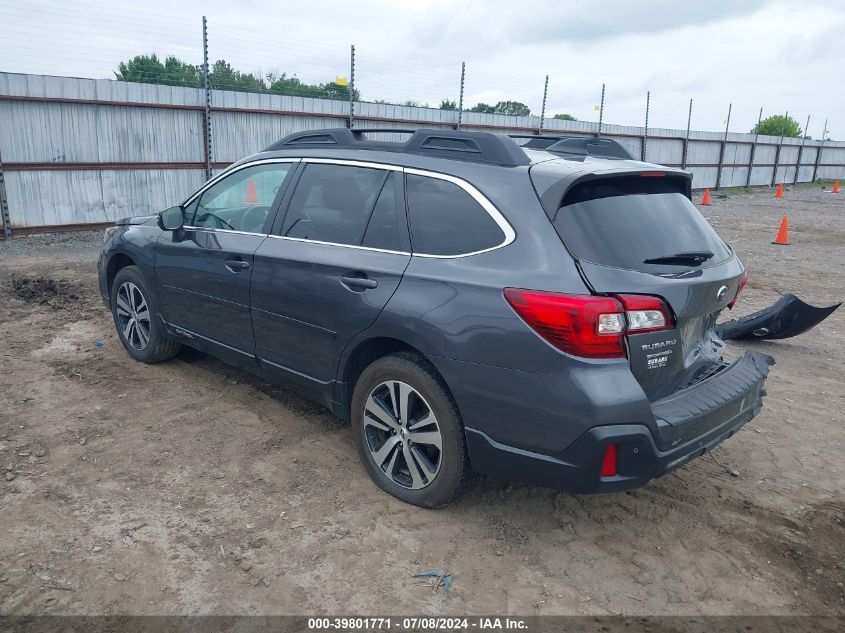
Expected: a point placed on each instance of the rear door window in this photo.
(446, 220)
(387, 228)
(333, 203)
(625, 221)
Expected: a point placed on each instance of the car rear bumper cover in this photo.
(689, 422)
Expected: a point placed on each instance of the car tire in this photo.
(439, 457)
(136, 318)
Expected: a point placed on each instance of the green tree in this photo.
(334, 90)
(778, 124)
(222, 76)
(141, 68)
(565, 117)
(483, 107)
(181, 74)
(292, 86)
(514, 108)
(149, 69)
(448, 104)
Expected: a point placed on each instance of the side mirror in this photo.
(171, 219)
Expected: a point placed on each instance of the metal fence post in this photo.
(4, 205)
(645, 129)
(819, 152)
(207, 116)
(461, 97)
(753, 149)
(686, 138)
(601, 110)
(722, 148)
(352, 87)
(777, 151)
(543, 110)
(801, 151)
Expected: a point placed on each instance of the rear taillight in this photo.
(742, 281)
(646, 314)
(583, 325)
(590, 326)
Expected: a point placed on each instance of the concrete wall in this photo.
(80, 151)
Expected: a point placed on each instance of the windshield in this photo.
(603, 223)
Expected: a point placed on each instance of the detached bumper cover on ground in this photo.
(688, 423)
(788, 317)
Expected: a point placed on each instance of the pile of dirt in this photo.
(58, 294)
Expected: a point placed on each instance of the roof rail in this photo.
(579, 145)
(537, 141)
(477, 147)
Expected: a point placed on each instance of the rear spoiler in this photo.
(553, 196)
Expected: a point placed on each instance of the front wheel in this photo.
(136, 318)
(409, 432)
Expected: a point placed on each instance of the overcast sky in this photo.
(774, 54)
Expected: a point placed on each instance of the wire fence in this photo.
(203, 94)
(264, 57)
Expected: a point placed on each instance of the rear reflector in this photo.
(583, 325)
(609, 465)
(742, 281)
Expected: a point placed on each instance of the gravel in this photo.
(87, 242)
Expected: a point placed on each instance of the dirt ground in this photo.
(192, 488)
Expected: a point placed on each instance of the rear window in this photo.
(446, 220)
(622, 222)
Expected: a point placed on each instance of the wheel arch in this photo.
(117, 261)
(358, 357)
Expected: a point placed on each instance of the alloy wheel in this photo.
(133, 316)
(402, 435)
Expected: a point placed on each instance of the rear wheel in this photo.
(409, 432)
(136, 318)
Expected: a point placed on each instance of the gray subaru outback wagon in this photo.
(536, 308)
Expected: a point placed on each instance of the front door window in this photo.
(240, 201)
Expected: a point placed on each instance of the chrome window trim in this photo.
(353, 163)
(207, 229)
(232, 170)
(480, 198)
(360, 248)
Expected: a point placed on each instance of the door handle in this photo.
(236, 265)
(359, 282)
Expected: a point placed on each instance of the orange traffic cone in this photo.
(835, 186)
(251, 196)
(705, 200)
(779, 192)
(782, 237)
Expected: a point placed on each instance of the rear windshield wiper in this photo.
(693, 258)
